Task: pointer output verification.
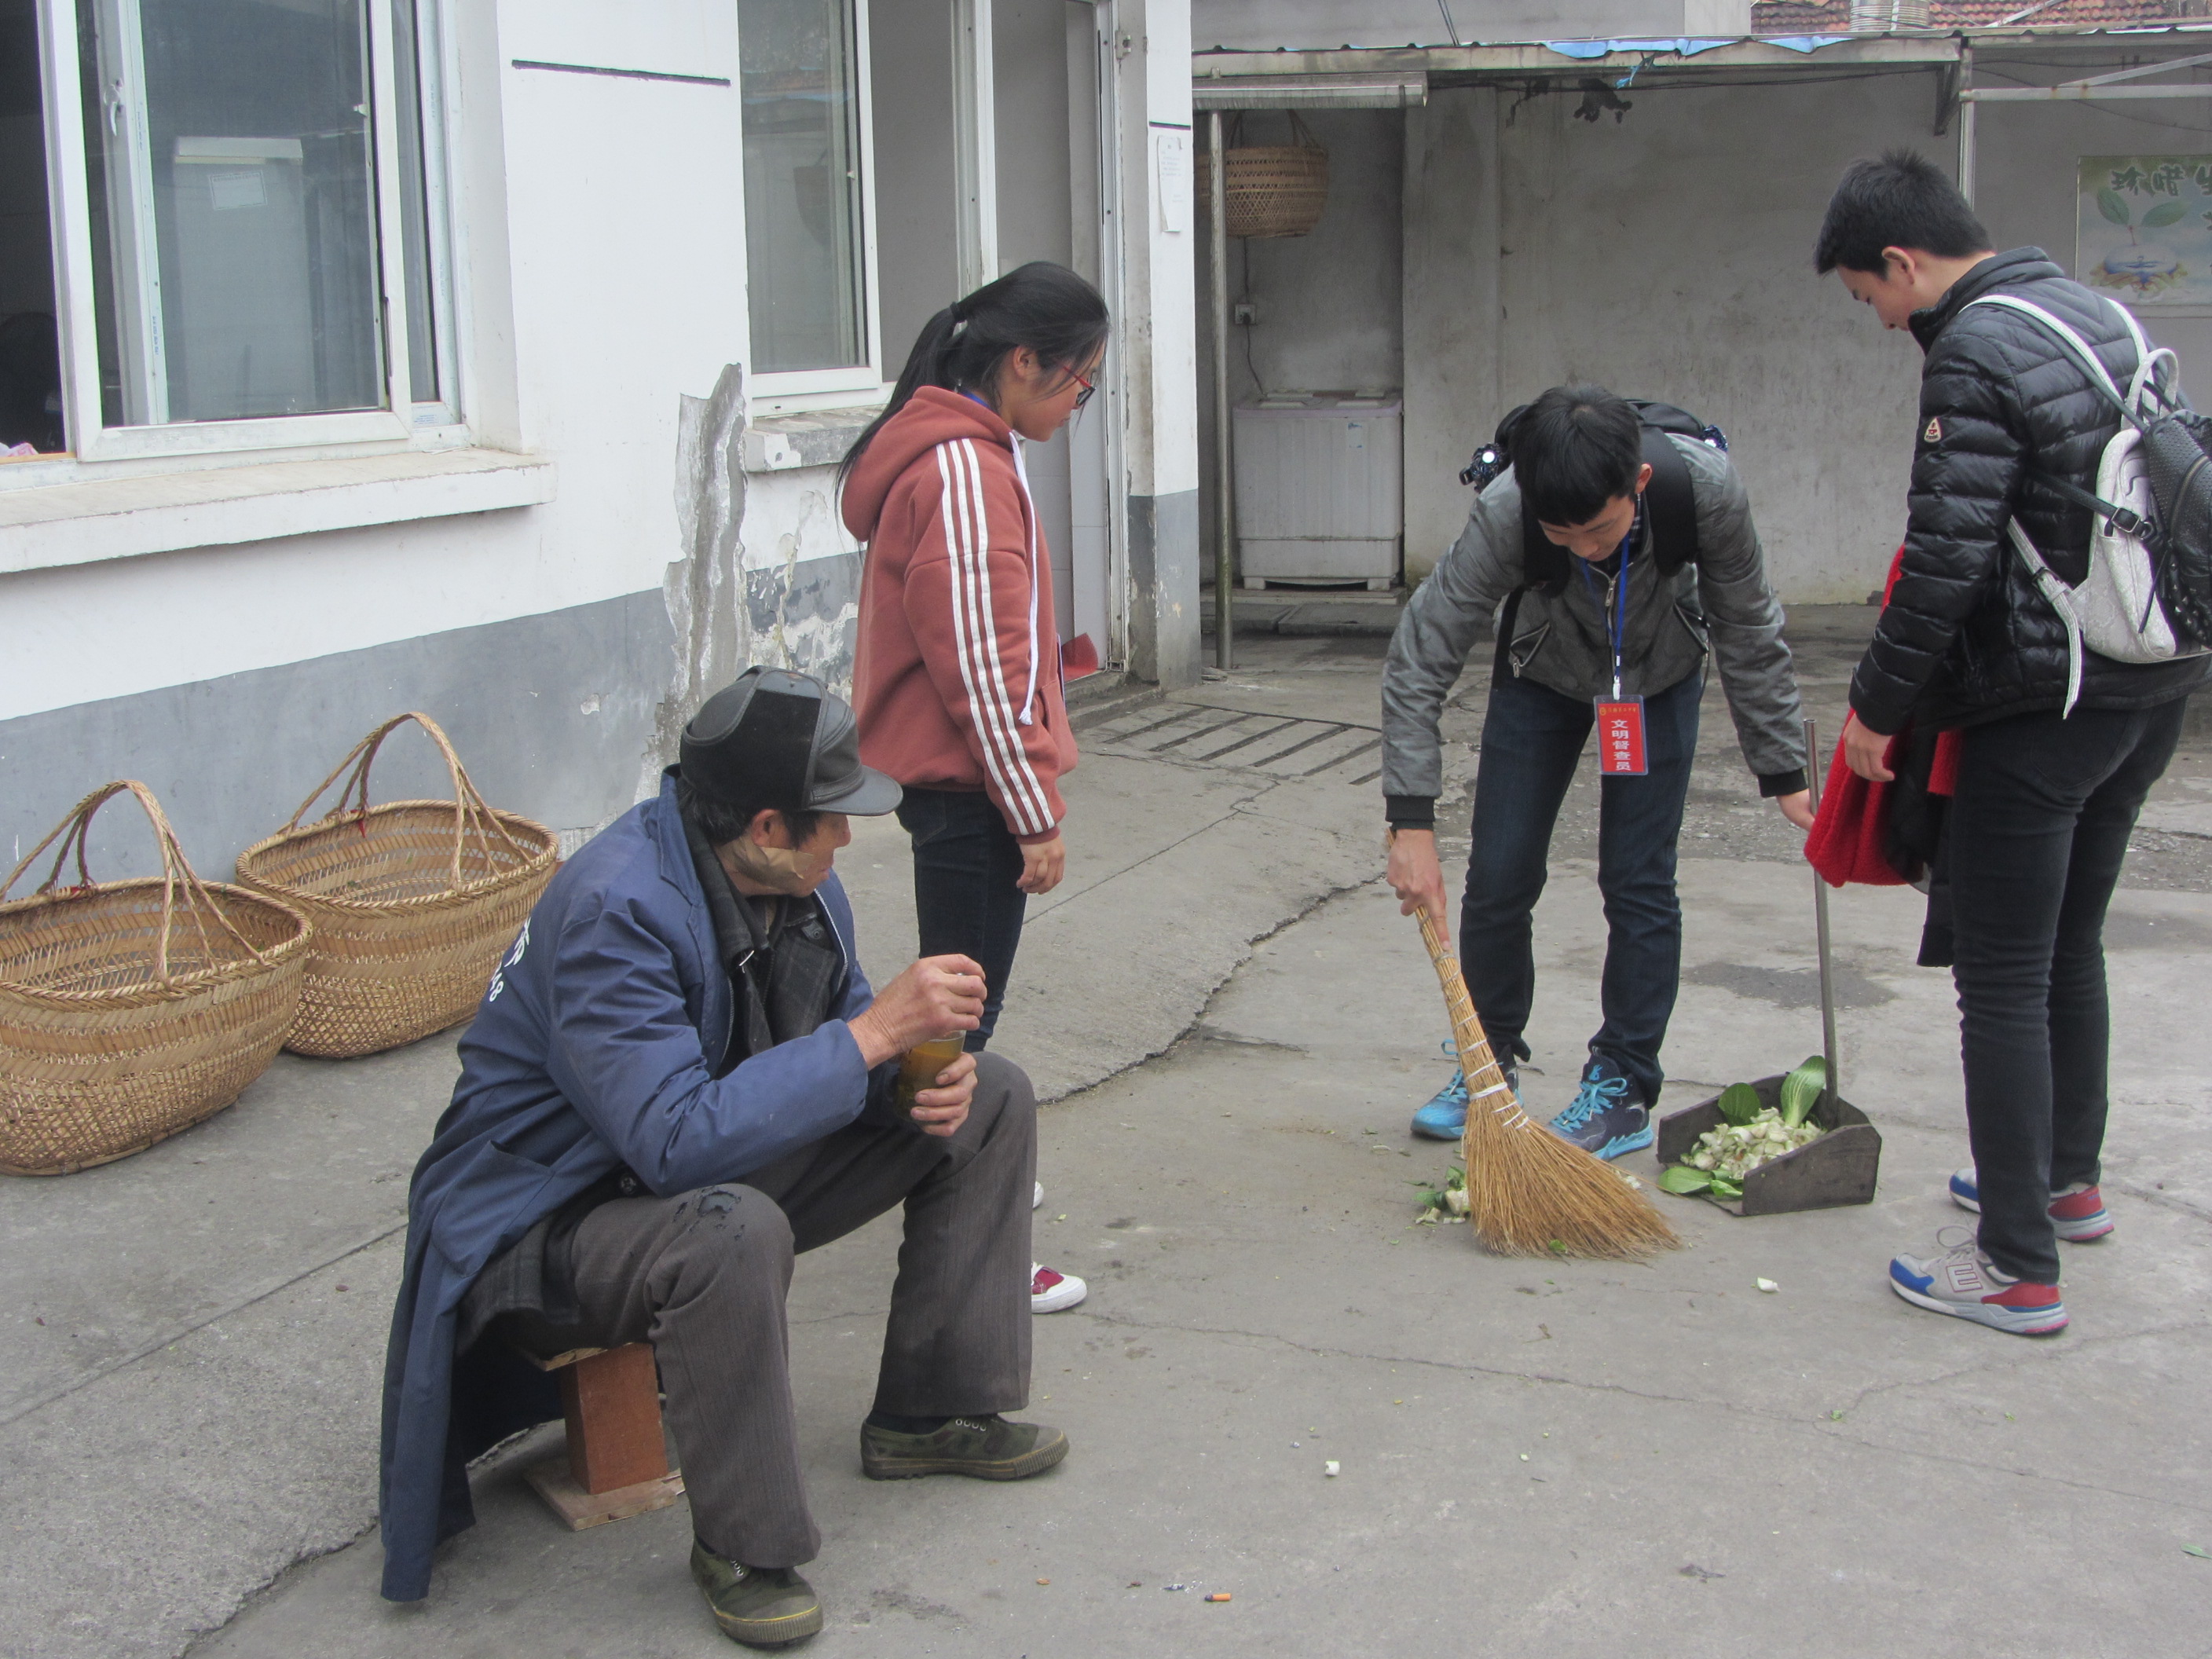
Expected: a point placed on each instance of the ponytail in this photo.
(1042, 305)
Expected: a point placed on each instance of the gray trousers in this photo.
(702, 1276)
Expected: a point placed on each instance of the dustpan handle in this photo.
(471, 813)
(73, 833)
(1834, 1087)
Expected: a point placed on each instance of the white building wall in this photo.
(1158, 229)
(600, 279)
(627, 288)
(600, 249)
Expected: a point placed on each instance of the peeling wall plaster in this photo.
(712, 630)
(768, 572)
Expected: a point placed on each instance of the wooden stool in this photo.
(618, 1461)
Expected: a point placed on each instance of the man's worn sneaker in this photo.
(1608, 1117)
(1444, 1117)
(988, 1447)
(1051, 1291)
(2077, 1214)
(760, 1607)
(1962, 1282)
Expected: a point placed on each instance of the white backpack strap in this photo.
(2148, 356)
(2061, 598)
(2075, 343)
(2133, 328)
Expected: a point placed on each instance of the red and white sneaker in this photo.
(2077, 1215)
(1051, 1292)
(1964, 1283)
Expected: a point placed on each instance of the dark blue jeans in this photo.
(1532, 740)
(2038, 832)
(966, 862)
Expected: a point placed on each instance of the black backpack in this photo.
(1667, 501)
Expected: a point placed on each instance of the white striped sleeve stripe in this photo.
(958, 506)
(985, 633)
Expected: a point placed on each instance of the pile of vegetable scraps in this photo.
(1752, 1135)
(1447, 1203)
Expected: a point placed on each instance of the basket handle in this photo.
(471, 813)
(72, 832)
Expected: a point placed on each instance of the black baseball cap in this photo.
(778, 739)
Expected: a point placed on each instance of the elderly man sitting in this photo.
(680, 1078)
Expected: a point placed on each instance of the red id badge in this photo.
(1621, 738)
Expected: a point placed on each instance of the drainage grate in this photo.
(1231, 739)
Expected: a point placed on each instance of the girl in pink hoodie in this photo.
(957, 680)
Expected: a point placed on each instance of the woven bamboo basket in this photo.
(413, 902)
(130, 1010)
(1271, 190)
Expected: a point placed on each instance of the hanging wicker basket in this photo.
(130, 1010)
(1271, 190)
(412, 901)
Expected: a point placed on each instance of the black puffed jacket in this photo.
(2003, 407)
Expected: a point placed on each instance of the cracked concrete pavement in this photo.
(1552, 1457)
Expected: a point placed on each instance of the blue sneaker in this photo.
(1608, 1117)
(1444, 1117)
(1965, 1284)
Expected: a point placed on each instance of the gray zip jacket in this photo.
(1721, 603)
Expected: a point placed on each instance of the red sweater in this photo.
(957, 681)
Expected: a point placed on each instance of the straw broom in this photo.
(1529, 1192)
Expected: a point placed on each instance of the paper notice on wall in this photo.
(242, 188)
(1171, 165)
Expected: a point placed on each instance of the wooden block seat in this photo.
(617, 1461)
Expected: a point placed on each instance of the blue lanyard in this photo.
(1617, 623)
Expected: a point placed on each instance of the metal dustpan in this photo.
(1840, 1167)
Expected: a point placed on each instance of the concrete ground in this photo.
(1547, 1457)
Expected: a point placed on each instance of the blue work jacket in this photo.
(596, 1046)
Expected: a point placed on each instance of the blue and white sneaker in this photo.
(2077, 1215)
(1609, 1118)
(1964, 1283)
(1444, 1117)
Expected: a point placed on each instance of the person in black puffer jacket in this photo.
(2045, 799)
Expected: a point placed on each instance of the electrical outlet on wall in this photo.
(1244, 313)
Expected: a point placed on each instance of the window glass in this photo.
(422, 333)
(234, 196)
(30, 358)
(799, 62)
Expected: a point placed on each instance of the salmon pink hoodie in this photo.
(957, 684)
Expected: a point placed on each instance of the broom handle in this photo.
(1476, 1061)
(1834, 1085)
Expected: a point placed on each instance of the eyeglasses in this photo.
(1083, 395)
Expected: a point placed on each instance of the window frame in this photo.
(435, 71)
(789, 390)
(75, 285)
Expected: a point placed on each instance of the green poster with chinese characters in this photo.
(2143, 228)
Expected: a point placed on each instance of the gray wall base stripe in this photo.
(553, 716)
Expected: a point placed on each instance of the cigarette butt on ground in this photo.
(1219, 1595)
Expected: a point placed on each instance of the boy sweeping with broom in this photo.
(1614, 551)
